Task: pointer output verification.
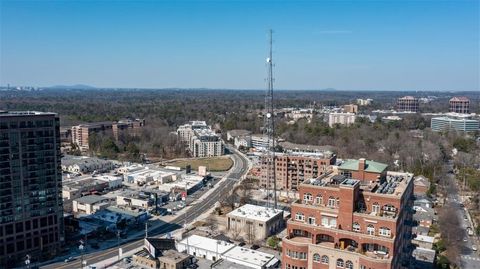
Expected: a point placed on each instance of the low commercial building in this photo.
(250, 258)
(83, 164)
(454, 123)
(232, 134)
(341, 118)
(255, 222)
(204, 247)
(260, 142)
(90, 204)
(114, 182)
(243, 142)
(172, 259)
(118, 214)
(141, 199)
(216, 250)
(160, 253)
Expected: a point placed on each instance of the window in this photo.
(311, 220)
(349, 264)
(325, 259)
(340, 263)
(331, 201)
(356, 227)
(390, 208)
(319, 200)
(299, 216)
(337, 204)
(316, 257)
(325, 221)
(371, 229)
(384, 231)
(307, 197)
(375, 207)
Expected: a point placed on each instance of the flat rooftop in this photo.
(252, 257)
(4, 113)
(206, 243)
(255, 212)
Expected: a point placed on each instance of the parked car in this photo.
(474, 248)
(255, 247)
(69, 259)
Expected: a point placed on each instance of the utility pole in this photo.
(269, 129)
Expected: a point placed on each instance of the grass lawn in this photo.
(213, 164)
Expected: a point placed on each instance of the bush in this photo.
(273, 241)
(443, 262)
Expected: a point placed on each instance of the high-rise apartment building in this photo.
(31, 209)
(201, 140)
(292, 168)
(407, 104)
(460, 105)
(340, 222)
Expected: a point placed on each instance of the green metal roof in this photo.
(370, 166)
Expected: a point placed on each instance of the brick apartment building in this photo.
(340, 222)
(407, 104)
(81, 133)
(460, 105)
(292, 168)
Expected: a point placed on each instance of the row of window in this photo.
(332, 223)
(296, 255)
(335, 202)
(332, 201)
(325, 260)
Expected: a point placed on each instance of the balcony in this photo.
(340, 232)
(344, 244)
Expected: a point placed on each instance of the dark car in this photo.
(241, 244)
(255, 247)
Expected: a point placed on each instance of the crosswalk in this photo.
(470, 258)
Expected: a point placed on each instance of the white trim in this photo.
(329, 215)
(371, 221)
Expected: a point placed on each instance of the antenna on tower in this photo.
(269, 129)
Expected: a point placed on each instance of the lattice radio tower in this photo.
(269, 131)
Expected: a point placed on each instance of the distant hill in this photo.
(76, 86)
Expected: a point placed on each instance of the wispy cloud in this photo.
(332, 32)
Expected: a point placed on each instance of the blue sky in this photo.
(359, 45)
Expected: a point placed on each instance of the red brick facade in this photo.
(355, 226)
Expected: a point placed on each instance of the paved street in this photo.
(239, 169)
(469, 259)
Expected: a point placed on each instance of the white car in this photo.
(69, 259)
(474, 248)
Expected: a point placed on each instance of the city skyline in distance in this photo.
(416, 46)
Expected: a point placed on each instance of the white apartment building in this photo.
(202, 141)
(341, 118)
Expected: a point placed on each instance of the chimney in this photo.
(361, 164)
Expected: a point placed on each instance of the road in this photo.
(469, 258)
(239, 169)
